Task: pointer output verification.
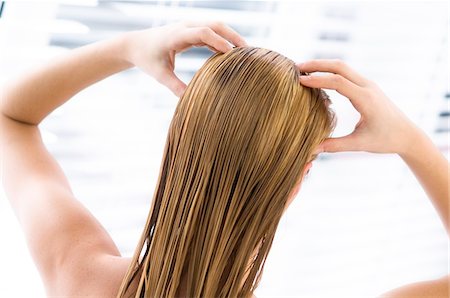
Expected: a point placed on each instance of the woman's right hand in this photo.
(382, 128)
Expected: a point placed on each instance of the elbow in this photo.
(10, 108)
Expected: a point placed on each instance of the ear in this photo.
(307, 168)
(297, 187)
(299, 183)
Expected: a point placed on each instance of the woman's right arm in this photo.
(383, 128)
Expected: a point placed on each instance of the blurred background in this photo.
(361, 224)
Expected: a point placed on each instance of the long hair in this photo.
(240, 137)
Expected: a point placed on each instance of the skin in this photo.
(71, 249)
(383, 128)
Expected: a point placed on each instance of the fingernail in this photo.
(305, 78)
(299, 65)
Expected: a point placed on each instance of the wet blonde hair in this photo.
(241, 135)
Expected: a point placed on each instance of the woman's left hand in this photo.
(153, 50)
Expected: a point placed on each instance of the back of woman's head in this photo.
(241, 136)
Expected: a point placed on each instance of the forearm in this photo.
(33, 96)
(431, 168)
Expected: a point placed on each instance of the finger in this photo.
(171, 81)
(346, 143)
(228, 33)
(336, 82)
(210, 38)
(212, 49)
(207, 36)
(223, 30)
(335, 66)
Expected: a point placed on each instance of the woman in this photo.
(210, 131)
(243, 133)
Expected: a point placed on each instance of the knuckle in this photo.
(366, 93)
(313, 63)
(217, 24)
(205, 31)
(372, 84)
(337, 79)
(339, 63)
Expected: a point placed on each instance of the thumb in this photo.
(171, 81)
(345, 143)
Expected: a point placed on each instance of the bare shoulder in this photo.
(436, 288)
(101, 277)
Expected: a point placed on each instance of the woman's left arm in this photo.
(63, 236)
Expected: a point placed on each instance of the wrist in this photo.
(416, 140)
(123, 49)
(128, 46)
